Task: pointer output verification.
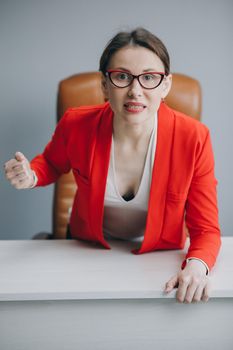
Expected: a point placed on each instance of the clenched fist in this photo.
(19, 173)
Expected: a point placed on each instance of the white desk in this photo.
(72, 295)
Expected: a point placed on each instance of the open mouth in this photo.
(134, 107)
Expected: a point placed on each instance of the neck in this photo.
(132, 133)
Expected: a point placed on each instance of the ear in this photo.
(166, 85)
(104, 86)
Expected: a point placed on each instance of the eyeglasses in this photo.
(122, 79)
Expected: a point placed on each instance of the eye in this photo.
(149, 77)
(121, 76)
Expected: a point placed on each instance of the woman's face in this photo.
(135, 104)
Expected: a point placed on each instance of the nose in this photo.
(135, 89)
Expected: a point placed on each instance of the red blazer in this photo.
(183, 184)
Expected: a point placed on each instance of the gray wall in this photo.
(42, 42)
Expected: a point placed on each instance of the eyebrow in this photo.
(145, 70)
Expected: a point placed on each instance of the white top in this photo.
(127, 219)
(70, 269)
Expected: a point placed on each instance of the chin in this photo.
(134, 118)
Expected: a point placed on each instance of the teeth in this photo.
(134, 107)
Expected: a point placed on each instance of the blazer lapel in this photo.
(99, 174)
(160, 178)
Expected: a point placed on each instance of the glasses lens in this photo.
(120, 79)
(150, 80)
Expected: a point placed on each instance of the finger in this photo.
(14, 168)
(10, 164)
(172, 283)
(15, 172)
(182, 288)
(23, 162)
(190, 292)
(20, 156)
(10, 175)
(19, 184)
(14, 181)
(19, 177)
(22, 176)
(198, 294)
(206, 293)
(18, 166)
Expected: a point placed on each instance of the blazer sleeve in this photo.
(201, 208)
(54, 161)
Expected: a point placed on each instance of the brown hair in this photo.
(137, 37)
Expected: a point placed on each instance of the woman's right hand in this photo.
(19, 173)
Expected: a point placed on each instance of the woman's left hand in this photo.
(192, 282)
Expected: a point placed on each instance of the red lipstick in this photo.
(134, 107)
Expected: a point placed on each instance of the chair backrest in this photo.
(85, 89)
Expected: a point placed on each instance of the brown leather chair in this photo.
(85, 89)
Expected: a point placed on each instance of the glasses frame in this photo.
(109, 71)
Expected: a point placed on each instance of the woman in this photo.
(140, 166)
